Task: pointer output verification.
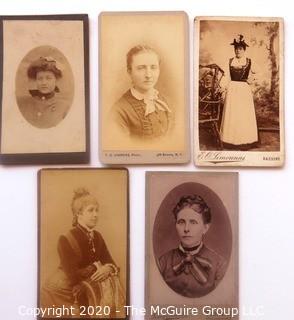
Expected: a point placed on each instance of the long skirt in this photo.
(58, 292)
(239, 125)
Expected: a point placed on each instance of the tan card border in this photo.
(142, 156)
(39, 175)
(216, 158)
(52, 157)
(148, 230)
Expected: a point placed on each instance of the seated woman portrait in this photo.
(87, 274)
(192, 269)
(142, 112)
(44, 106)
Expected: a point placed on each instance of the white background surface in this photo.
(266, 195)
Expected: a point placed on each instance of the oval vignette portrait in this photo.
(192, 240)
(44, 87)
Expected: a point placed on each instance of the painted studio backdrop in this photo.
(264, 51)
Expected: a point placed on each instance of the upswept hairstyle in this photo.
(196, 203)
(137, 49)
(81, 199)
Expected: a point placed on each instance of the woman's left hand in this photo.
(102, 273)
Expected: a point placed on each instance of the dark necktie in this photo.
(195, 265)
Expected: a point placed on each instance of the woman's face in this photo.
(239, 52)
(144, 70)
(190, 227)
(89, 215)
(46, 81)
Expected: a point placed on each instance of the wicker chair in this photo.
(210, 99)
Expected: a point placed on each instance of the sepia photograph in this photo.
(239, 100)
(44, 87)
(83, 254)
(143, 87)
(45, 90)
(192, 239)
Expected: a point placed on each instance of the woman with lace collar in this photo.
(142, 112)
(239, 125)
(192, 269)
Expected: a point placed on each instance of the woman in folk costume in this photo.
(87, 274)
(142, 112)
(192, 269)
(239, 126)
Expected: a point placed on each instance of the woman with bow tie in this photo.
(192, 269)
(142, 112)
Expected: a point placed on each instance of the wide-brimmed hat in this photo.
(239, 42)
(43, 64)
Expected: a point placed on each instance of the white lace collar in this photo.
(151, 100)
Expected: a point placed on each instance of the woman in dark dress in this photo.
(192, 269)
(239, 126)
(142, 112)
(87, 274)
(44, 107)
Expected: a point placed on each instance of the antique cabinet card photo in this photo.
(144, 82)
(239, 101)
(44, 90)
(192, 245)
(83, 243)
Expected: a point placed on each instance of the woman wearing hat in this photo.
(44, 107)
(142, 112)
(239, 126)
(87, 274)
(192, 269)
